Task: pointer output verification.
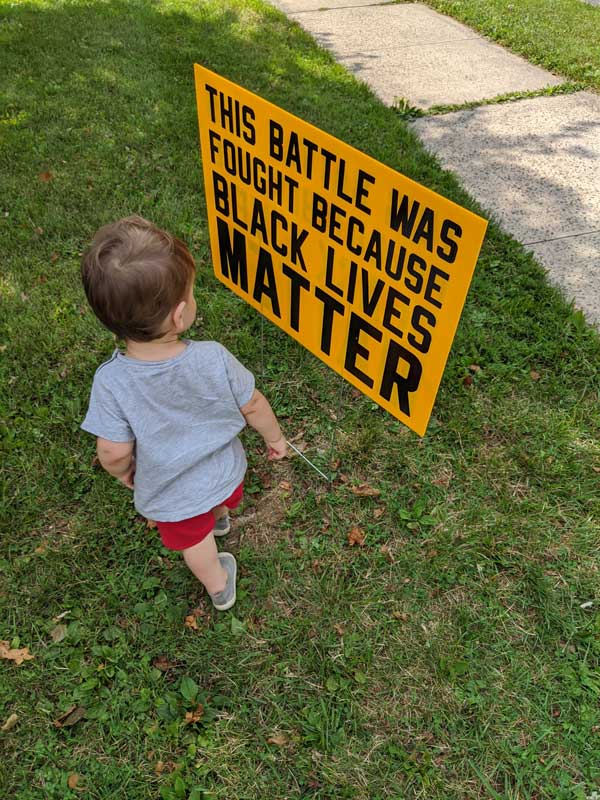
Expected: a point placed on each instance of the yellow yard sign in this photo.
(364, 267)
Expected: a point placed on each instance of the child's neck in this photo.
(161, 349)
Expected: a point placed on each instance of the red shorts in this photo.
(188, 532)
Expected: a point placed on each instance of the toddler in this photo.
(167, 411)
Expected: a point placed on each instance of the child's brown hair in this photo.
(134, 274)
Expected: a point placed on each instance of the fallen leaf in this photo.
(379, 512)
(54, 258)
(70, 717)
(73, 780)
(596, 469)
(468, 380)
(10, 723)
(474, 368)
(364, 490)
(194, 716)
(286, 486)
(190, 622)
(356, 536)
(39, 231)
(338, 629)
(41, 548)
(46, 176)
(58, 633)
(151, 524)
(18, 655)
(298, 436)
(356, 393)
(43, 279)
(401, 615)
(24, 297)
(535, 376)
(279, 739)
(159, 768)
(163, 664)
(336, 463)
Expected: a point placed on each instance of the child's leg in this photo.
(220, 512)
(204, 562)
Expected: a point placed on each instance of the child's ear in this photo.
(177, 316)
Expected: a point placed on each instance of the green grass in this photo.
(561, 35)
(447, 658)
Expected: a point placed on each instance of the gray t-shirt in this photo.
(184, 415)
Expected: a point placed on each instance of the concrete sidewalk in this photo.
(534, 164)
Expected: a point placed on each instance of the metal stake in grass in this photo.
(295, 449)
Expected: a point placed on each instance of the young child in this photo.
(167, 411)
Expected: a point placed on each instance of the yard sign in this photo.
(364, 267)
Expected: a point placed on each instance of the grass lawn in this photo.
(449, 657)
(561, 35)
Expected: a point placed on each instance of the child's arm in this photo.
(259, 415)
(117, 458)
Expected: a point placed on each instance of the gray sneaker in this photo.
(222, 526)
(225, 599)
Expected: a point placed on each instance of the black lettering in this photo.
(396, 273)
(259, 166)
(334, 224)
(361, 191)
(212, 137)
(311, 149)
(353, 223)
(369, 303)
(265, 281)
(275, 185)
(400, 218)
(391, 311)
(329, 272)
(298, 240)
(229, 157)
(275, 140)
(221, 191)
(276, 217)
(297, 282)
(352, 281)
(233, 259)
(354, 348)
(258, 223)
(340, 182)
(373, 249)
(293, 153)
(424, 343)
(432, 286)
(249, 133)
(329, 159)
(425, 229)
(331, 306)
(212, 94)
(292, 186)
(234, 208)
(449, 256)
(415, 261)
(391, 377)
(319, 213)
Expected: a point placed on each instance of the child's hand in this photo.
(277, 449)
